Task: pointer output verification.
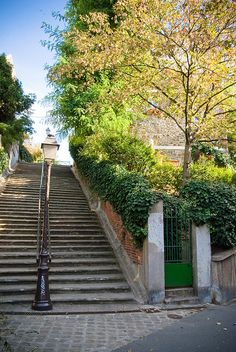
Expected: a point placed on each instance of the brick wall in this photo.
(125, 238)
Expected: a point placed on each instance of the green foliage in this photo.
(206, 170)
(122, 149)
(3, 160)
(13, 101)
(220, 157)
(130, 194)
(232, 142)
(25, 155)
(86, 6)
(15, 122)
(214, 204)
(166, 177)
(16, 130)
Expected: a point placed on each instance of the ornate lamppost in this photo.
(42, 299)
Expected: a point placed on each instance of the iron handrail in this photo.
(40, 211)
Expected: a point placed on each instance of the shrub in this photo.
(3, 160)
(214, 204)
(219, 157)
(166, 177)
(25, 155)
(129, 194)
(122, 149)
(206, 170)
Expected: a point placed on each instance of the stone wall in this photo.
(159, 131)
(163, 134)
(224, 276)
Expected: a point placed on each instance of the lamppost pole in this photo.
(42, 301)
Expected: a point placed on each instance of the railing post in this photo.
(42, 299)
(154, 256)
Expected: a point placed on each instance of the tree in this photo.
(79, 104)
(15, 121)
(13, 101)
(178, 56)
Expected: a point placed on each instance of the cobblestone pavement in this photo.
(81, 333)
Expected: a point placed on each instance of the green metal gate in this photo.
(178, 247)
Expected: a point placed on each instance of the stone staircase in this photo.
(182, 297)
(84, 275)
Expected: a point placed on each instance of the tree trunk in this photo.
(187, 161)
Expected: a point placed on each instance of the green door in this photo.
(178, 248)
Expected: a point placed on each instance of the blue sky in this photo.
(20, 36)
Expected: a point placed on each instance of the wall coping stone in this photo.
(224, 254)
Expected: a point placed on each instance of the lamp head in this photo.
(50, 147)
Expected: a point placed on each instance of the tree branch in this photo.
(164, 111)
(225, 112)
(212, 96)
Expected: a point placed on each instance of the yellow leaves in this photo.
(176, 53)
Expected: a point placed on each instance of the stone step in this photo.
(54, 226)
(85, 249)
(179, 292)
(60, 270)
(62, 262)
(181, 296)
(55, 255)
(59, 231)
(70, 308)
(64, 241)
(60, 278)
(83, 270)
(77, 288)
(77, 217)
(187, 300)
(57, 237)
(67, 297)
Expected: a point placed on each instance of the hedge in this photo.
(214, 204)
(3, 160)
(131, 196)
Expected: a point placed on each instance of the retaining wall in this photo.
(223, 267)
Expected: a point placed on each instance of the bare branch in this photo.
(212, 96)
(221, 101)
(225, 112)
(164, 111)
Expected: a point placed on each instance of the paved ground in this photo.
(212, 330)
(81, 333)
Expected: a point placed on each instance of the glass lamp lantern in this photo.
(50, 147)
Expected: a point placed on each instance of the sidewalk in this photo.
(212, 330)
(82, 333)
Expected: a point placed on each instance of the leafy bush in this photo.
(219, 157)
(130, 194)
(166, 177)
(206, 170)
(214, 204)
(31, 153)
(122, 149)
(3, 160)
(25, 155)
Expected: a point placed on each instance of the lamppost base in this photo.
(42, 305)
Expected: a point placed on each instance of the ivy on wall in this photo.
(132, 197)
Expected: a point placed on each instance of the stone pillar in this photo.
(154, 264)
(202, 262)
